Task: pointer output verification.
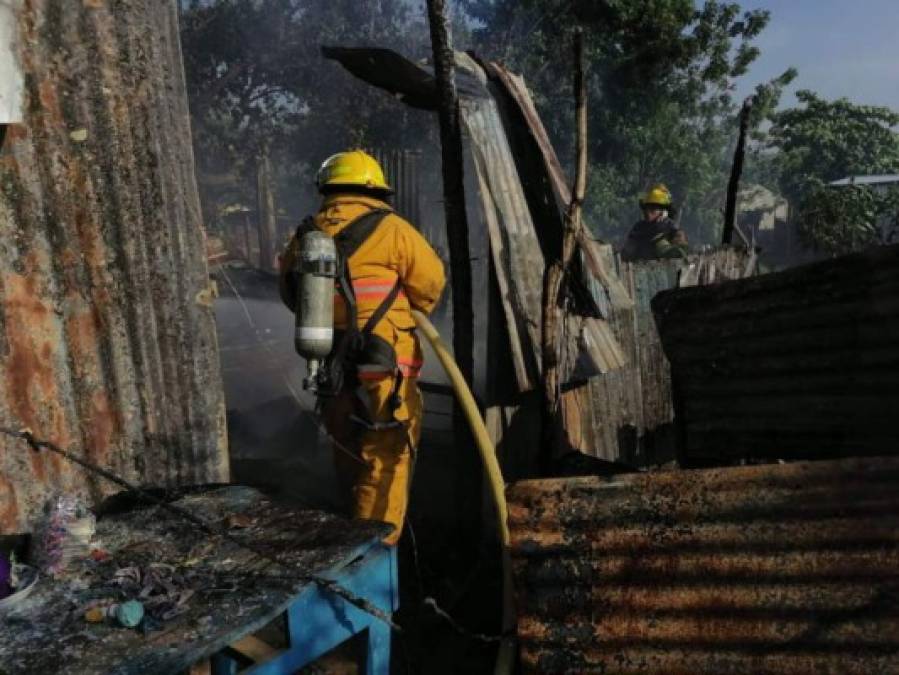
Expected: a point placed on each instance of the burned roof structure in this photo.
(616, 397)
(519, 195)
(787, 567)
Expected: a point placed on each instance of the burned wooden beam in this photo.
(733, 185)
(386, 69)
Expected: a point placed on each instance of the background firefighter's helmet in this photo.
(354, 168)
(657, 195)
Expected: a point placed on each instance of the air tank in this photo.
(316, 269)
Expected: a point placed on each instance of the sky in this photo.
(840, 47)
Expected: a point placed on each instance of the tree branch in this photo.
(556, 276)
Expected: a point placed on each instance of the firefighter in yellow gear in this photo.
(655, 236)
(375, 416)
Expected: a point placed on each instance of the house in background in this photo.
(764, 217)
(878, 183)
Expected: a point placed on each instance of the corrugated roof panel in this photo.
(106, 329)
(768, 569)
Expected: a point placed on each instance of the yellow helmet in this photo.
(657, 195)
(353, 168)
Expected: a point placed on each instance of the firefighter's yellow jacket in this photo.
(379, 483)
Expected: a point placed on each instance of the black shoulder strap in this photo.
(348, 241)
(381, 309)
(357, 232)
(306, 225)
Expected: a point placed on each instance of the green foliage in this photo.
(660, 75)
(840, 220)
(825, 141)
(828, 140)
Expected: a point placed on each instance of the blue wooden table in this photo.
(212, 598)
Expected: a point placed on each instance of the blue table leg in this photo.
(318, 621)
(377, 657)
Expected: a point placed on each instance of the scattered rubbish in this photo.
(79, 135)
(65, 535)
(127, 614)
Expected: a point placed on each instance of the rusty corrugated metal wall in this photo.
(769, 569)
(627, 415)
(106, 328)
(798, 364)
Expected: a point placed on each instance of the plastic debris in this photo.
(65, 535)
(127, 614)
(5, 572)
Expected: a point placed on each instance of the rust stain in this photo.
(29, 375)
(102, 422)
(105, 426)
(48, 98)
(8, 511)
(89, 235)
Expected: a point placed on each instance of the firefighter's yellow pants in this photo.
(379, 478)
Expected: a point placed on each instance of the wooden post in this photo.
(265, 210)
(468, 471)
(453, 188)
(556, 275)
(733, 186)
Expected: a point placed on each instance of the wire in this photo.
(428, 601)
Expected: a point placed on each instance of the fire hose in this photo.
(505, 659)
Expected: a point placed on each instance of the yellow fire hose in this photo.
(505, 659)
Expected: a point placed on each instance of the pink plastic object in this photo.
(5, 570)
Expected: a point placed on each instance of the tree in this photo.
(825, 141)
(836, 221)
(256, 80)
(828, 140)
(659, 95)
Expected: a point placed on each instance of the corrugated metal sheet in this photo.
(516, 253)
(798, 364)
(768, 569)
(106, 329)
(627, 415)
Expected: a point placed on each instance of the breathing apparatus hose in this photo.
(505, 659)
